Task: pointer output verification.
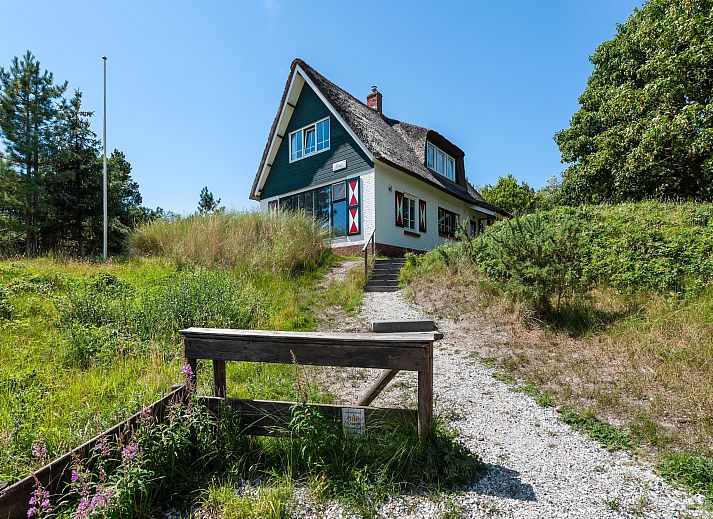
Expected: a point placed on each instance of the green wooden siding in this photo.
(315, 169)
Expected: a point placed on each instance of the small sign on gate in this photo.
(353, 421)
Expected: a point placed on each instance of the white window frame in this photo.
(312, 126)
(446, 158)
(412, 199)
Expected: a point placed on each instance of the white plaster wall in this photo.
(387, 180)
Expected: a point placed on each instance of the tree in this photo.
(28, 109)
(508, 195)
(74, 192)
(645, 124)
(207, 203)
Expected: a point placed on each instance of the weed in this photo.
(612, 438)
(505, 378)
(542, 398)
(613, 503)
(694, 472)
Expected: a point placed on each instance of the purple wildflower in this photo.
(39, 502)
(103, 447)
(75, 476)
(187, 370)
(130, 451)
(39, 450)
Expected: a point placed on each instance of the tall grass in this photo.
(277, 242)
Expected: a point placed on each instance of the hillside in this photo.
(624, 335)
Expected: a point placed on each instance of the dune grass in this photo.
(279, 242)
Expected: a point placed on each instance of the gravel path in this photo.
(536, 465)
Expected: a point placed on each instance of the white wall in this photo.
(387, 180)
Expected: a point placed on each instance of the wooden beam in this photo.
(219, 378)
(315, 354)
(425, 396)
(272, 418)
(386, 377)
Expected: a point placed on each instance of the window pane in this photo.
(323, 135)
(429, 156)
(309, 202)
(450, 168)
(321, 205)
(300, 201)
(339, 218)
(339, 191)
(296, 145)
(309, 141)
(440, 161)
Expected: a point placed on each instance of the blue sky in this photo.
(194, 86)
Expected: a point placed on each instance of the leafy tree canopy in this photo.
(645, 124)
(516, 199)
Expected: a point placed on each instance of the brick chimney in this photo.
(373, 100)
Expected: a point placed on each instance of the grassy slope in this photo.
(43, 397)
(641, 359)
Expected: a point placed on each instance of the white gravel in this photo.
(536, 465)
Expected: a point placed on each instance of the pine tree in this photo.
(207, 202)
(28, 113)
(74, 192)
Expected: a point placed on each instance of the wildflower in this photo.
(130, 451)
(39, 451)
(75, 476)
(145, 416)
(103, 447)
(187, 370)
(39, 502)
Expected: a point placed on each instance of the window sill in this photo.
(411, 233)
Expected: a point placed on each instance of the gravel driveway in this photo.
(536, 465)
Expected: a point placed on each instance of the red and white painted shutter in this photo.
(422, 216)
(272, 206)
(399, 209)
(354, 206)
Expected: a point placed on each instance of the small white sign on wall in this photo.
(342, 164)
(353, 421)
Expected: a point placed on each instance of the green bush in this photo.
(663, 247)
(535, 259)
(104, 317)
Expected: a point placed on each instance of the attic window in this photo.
(309, 140)
(440, 162)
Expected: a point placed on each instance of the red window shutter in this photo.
(422, 216)
(399, 209)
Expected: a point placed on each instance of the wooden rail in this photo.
(407, 351)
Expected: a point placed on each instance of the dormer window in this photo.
(440, 162)
(309, 140)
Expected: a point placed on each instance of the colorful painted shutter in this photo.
(354, 206)
(399, 209)
(422, 216)
(272, 206)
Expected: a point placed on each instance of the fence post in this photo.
(219, 378)
(425, 395)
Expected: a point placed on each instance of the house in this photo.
(361, 172)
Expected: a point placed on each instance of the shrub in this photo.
(536, 259)
(284, 241)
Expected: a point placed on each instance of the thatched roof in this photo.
(399, 144)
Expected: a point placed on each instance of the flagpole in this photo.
(105, 173)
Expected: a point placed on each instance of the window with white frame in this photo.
(440, 162)
(409, 213)
(309, 140)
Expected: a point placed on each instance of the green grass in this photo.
(692, 471)
(85, 345)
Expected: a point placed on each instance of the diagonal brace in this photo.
(386, 376)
